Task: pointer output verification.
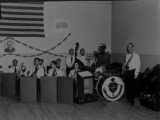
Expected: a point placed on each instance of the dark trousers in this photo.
(75, 88)
(38, 90)
(130, 84)
(17, 87)
(68, 71)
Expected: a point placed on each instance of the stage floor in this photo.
(11, 109)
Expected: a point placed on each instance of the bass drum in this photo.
(110, 88)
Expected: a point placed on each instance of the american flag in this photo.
(22, 20)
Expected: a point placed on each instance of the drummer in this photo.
(100, 71)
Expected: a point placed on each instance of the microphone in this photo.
(9, 66)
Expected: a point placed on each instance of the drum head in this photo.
(113, 88)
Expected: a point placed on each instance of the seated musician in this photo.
(82, 58)
(54, 71)
(14, 68)
(69, 61)
(41, 64)
(36, 70)
(59, 65)
(73, 73)
(101, 70)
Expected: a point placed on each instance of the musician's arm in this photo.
(59, 73)
(138, 65)
(31, 71)
(94, 60)
(67, 62)
(70, 74)
(40, 72)
(50, 72)
(97, 70)
(10, 70)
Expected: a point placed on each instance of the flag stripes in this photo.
(22, 20)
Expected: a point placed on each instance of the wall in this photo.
(90, 25)
(137, 22)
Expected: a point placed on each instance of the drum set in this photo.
(110, 85)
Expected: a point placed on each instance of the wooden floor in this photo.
(11, 109)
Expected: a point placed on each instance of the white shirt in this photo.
(62, 70)
(68, 61)
(58, 72)
(83, 60)
(39, 73)
(72, 72)
(135, 62)
(12, 69)
(99, 69)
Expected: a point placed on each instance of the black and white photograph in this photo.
(79, 60)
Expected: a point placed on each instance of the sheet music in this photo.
(85, 74)
(89, 56)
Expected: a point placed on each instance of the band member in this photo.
(73, 74)
(82, 58)
(54, 71)
(70, 61)
(100, 70)
(59, 65)
(36, 70)
(131, 67)
(15, 69)
(41, 64)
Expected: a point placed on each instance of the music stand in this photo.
(89, 57)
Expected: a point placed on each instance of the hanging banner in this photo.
(61, 25)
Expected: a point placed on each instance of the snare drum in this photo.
(110, 87)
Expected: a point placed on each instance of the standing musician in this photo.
(37, 71)
(131, 67)
(15, 69)
(54, 71)
(70, 61)
(82, 58)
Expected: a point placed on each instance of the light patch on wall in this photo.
(61, 25)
